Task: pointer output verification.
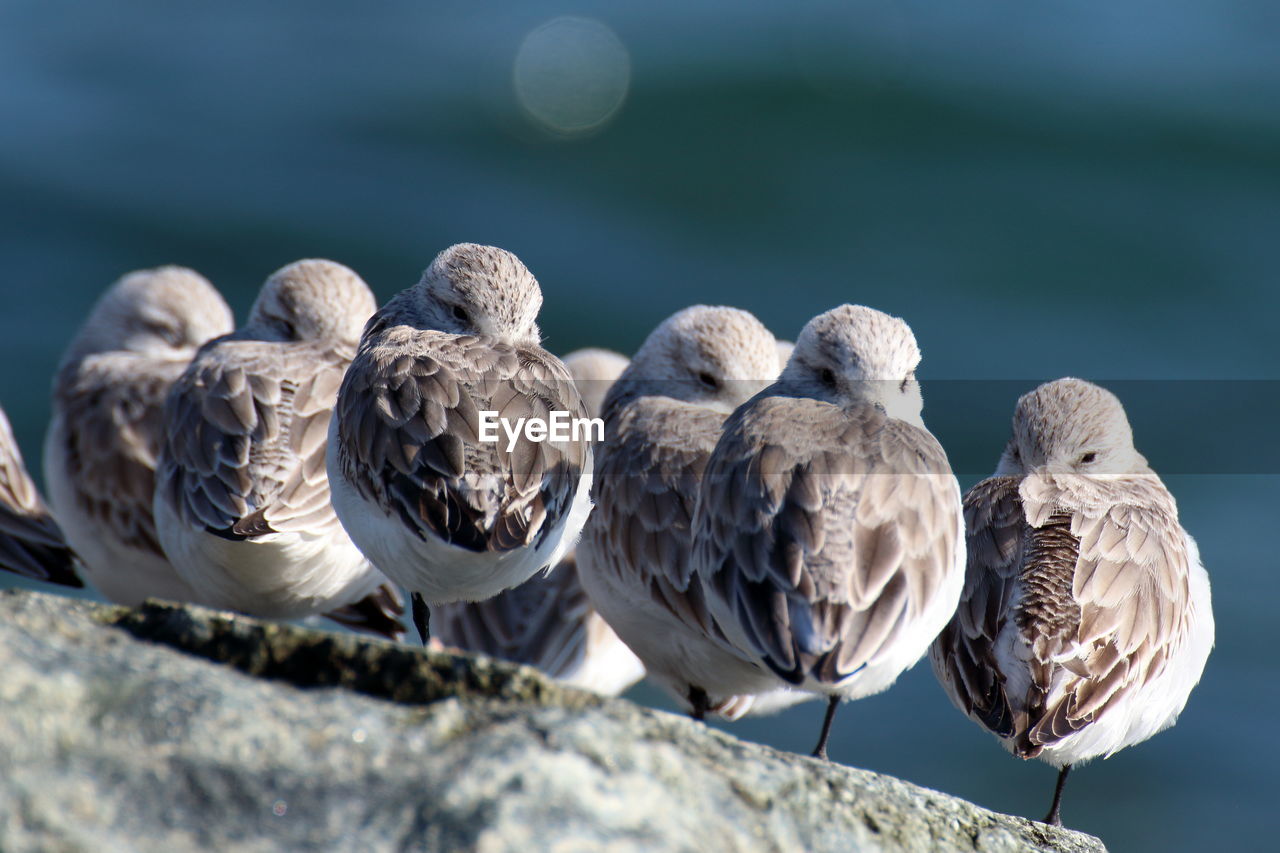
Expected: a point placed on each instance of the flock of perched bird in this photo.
(759, 524)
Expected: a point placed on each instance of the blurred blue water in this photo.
(1091, 189)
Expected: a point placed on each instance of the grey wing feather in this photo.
(653, 458)
(541, 622)
(964, 655)
(31, 544)
(113, 408)
(1130, 590)
(245, 443)
(824, 548)
(409, 438)
(1102, 599)
(378, 613)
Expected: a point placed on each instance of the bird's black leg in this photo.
(701, 704)
(820, 751)
(421, 617)
(1054, 817)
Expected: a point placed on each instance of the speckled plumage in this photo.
(242, 500)
(1085, 619)
(663, 417)
(101, 446)
(443, 514)
(548, 621)
(31, 543)
(828, 531)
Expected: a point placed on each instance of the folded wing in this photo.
(410, 441)
(825, 537)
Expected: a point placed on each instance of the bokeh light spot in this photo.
(572, 75)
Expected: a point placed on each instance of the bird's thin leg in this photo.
(699, 702)
(421, 617)
(1054, 817)
(820, 751)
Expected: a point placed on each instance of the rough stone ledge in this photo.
(322, 741)
(306, 657)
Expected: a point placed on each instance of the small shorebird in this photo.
(828, 534)
(662, 419)
(1085, 620)
(547, 621)
(101, 446)
(242, 500)
(444, 514)
(785, 348)
(31, 543)
(594, 371)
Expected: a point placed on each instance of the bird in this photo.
(785, 348)
(548, 621)
(828, 534)
(594, 371)
(1086, 617)
(242, 503)
(31, 543)
(102, 442)
(443, 513)
(662, 419)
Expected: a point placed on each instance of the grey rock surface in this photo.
(171, 728)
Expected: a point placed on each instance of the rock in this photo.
(172, 728)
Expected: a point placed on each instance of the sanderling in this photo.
(1085, 619)
(785, 348)
(662, 418)
(242, 500)
(108, 399)
(548, 621)
(594, 371)
(441, 510)
(828, 535)
(31, 543)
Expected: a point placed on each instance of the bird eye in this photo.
(164, 331)
(1089, 458)
(460, 314)
(828, 377)
(709, 380)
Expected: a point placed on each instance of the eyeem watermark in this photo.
(562, 426)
